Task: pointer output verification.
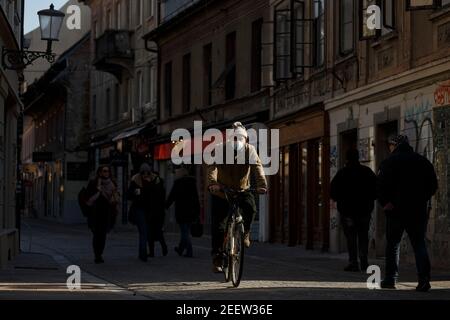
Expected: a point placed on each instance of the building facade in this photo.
(55, 154)
(36, 204)
(11, 26)
(209, 71)
(397, 82)
(123, 86)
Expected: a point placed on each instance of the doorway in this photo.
(383, 131)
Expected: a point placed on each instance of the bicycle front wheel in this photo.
(237, 256)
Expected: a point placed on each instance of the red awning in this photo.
(164, 151)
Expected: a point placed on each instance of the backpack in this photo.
(82, 202)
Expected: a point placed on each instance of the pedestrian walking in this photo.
(354, 190)
(406, 183)
(103, 204)
(187, 207)
(147, 211)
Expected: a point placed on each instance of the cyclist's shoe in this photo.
(247, 241)
(388, 284)
(423, 286)
(217, 264)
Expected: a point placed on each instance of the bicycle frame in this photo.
(231, 252)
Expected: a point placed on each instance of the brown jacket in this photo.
(237, 176)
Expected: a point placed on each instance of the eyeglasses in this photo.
(146, 173)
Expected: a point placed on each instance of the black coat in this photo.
(185, 195)
(102, 214)
(151, 199)
(354, 190)
(407, 180)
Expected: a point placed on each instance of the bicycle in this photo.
(233, 244)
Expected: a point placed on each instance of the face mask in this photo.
(239, 145)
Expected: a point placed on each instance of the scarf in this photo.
(108, 189)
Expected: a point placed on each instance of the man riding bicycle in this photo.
(235, 176)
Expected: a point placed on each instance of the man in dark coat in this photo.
(147, 210)
(187, 207)
(406, 183)
(354, 190)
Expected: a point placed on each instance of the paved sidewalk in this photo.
(271, 271)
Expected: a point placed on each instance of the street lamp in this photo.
(50, 21)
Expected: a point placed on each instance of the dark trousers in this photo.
(356, 230)
(220, 208)
(144, 233)
(156, 234)
(415, 226)
(98, 242)
(185, 241)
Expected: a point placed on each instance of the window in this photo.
(300, 43)
(151, 8)
(140, 9)
(140, 90)
(186, 83)
(346, 26)
(319, 21)
(116, 110)
(422, 4)
(290, 41)
(130, 14)
(207, 74)
(152, 84)
(168, 89)
(364, 32)
(125, 96)
(108, 106)
(256, 54)
(119, 14)
(230, 61)
(388, 16)
(109, 24)
(130, 95)
(283, 36)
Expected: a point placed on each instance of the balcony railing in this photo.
(114, 53)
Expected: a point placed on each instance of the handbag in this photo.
(197, 229)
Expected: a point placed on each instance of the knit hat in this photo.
(239, 130)
(397, 140)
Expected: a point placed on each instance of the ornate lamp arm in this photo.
(18, 60)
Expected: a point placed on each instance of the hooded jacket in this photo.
(407, 180)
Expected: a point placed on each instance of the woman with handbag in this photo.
(147, 210)
(187, 207)
(103, 204)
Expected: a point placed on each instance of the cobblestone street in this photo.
(272, 271)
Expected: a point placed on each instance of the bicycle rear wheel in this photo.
(237, 256)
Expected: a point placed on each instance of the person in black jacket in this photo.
(103, 205)
(406, 183)
(147, 210)
(187, 207)
(354, 190)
